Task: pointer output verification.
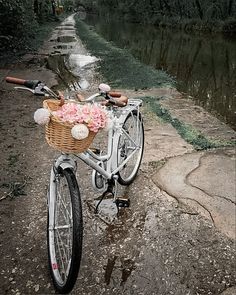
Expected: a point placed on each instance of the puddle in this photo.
(83, 84)
(66, 38)
(72, 24)
(69, 60)
(118, 268)
(66, 28)
(63, 46)
(57, 63)
(128, 265)
(109, 269)
(70, 73)
(79, 60)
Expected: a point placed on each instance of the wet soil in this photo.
(153, 247)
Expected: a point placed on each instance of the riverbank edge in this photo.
(191, 135)
(117, 66)
(109, 54)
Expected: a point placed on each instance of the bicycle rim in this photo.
(132, 139)
(64, 231)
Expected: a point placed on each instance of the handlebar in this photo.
(38, 88)
(113, 99)
(32, 84)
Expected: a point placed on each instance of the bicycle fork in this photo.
(62, 162)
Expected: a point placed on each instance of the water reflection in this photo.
(204, 66)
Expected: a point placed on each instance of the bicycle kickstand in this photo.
(112, 192)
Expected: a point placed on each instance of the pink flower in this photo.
(94, 115)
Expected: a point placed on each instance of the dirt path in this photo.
(155, 247)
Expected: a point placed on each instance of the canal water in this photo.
(204, 66)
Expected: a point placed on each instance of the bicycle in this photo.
(118, 164)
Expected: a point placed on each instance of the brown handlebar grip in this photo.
(121, 101)
(114, 94)
(15, 80)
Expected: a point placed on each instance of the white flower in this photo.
(80, 131)
(42, 116)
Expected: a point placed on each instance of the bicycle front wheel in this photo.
(65, 229)
(130, 148)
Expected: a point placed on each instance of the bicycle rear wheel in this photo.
(65, 229)
(130, 141)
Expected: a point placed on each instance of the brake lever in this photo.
(37, 90)
(24, 88)
(50, 92)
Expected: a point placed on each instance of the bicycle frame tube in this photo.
(88, 157)
(111, 156)
(92, 160)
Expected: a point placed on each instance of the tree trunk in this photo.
(36, 7)
(53, 7)
(167, 7)
(199, 8)
(230, 7)
(180, 9)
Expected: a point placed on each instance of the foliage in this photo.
(20, 21)
(118, 66)
(88, 5)
(172, 13)
(17, 22)
(68, 5)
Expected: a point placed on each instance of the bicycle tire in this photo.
(134, 127)
(66, 225)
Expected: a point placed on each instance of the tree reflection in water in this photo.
(203, 65)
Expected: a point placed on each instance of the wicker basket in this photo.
(58, 133)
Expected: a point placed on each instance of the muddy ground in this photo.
(155, 246)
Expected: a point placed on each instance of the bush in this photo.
(17, 23)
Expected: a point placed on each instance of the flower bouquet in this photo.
(71, 127)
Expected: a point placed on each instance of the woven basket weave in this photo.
(58, 133)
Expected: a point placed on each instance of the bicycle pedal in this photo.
(122, 203)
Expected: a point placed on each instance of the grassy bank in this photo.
(117, 66)
(186, 131)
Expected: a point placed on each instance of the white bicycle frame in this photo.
(91, 159)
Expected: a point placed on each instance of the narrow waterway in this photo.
(204, 66)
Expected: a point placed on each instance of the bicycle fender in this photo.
(65, 162)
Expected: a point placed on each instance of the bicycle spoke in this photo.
(130, 148)
(61, 201)
(63, 229)
(60, 254)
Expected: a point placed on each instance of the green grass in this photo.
(186, 131)
(117, 66)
